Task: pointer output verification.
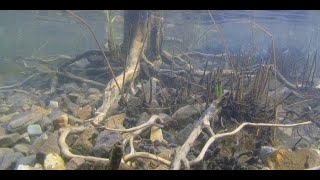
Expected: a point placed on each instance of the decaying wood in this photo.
(111, 92)
(203, 122)
(218, 136)
(64, 132)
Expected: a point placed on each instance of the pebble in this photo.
(27, 167)
(54, 162)
(9, 160)
(24, 138)
(28, 160)
(9, 140)
(53, 104)
(34, 130)
(23, 148)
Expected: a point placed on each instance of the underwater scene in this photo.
(159, 90)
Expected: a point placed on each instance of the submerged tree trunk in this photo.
(135, 32)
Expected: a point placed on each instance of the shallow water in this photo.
(53, 76)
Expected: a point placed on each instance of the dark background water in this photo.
(43, 33)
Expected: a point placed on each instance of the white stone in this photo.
(34, 130)
(53, 104)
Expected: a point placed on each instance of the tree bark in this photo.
(138, 22)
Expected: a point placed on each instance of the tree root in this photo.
(217, 136)
(136, 155)
(64, 132)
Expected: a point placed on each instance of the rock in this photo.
(71, 139)
(143, 118)
(24, 138)
(7, 118)
(187, 114)
(93, 91)
(184, 134)
(20, 99)
(154, 107)
(46, 124)
(4, 109)
(75, 163)
(134, 106)
(105, 142)
(9, 140)
(27, 167)
(20, 123)
(46, 144)
(53, 104)
(156, 134)
(72, 107)
(84, 112)
(2, 131)
(129, 122)
(83, 144)
(300, 159)
(165, 117)
(53, 162)
(34, 130)
(4, 151)
(26, 107)
(265, 151)
(168, 137)
(94, 97)
(116, 121)
(8, 161)
(23, 148)
(28, 160)
(165, 154)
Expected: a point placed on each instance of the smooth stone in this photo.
(23, 148)
(27, 167)
(84, 112)
(7, 118)
(184, 134)
(93, 91)
(53, 162)
(105, 142)
(2, 131)
(83, 144)
(4, 109)
(34, 130)
(265, 151)
(168, 137)
(46, 144)
(165, 117)
(8, 161)
(53, 104)
(283, 159)
(134, 105)
(187, 114)
(24, 138)
(4, 151)
(9, 140)
(20, 123)
(143, 118)
(28, 160)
